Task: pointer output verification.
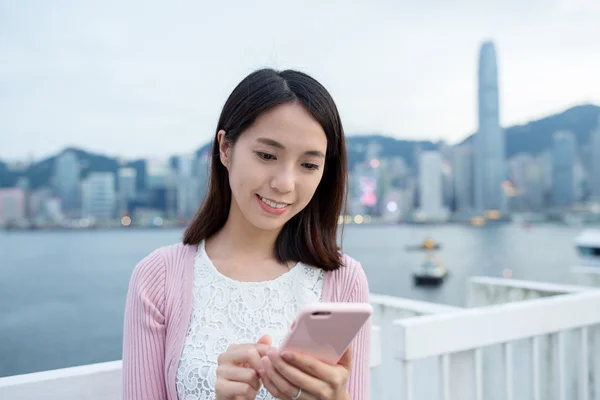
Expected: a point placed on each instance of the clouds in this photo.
(147, 78)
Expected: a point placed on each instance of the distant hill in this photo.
(536, 136)
(533, 137)
(6, 178)
(40, 173)
(388, 147)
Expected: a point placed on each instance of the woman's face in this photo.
(275, 166)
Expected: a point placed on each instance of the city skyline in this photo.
(422, 185)
(105, 77)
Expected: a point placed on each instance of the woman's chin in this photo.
(268, 222)
(265, 225)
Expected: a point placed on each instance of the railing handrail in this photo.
(82, 371)
(60, 373)
(467, 329)
(529, 285)
(415, 306)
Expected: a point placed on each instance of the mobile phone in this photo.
(326, 330)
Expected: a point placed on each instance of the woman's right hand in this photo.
(237, 376)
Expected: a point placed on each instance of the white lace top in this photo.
(226, 311)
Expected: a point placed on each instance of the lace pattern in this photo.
(226, 311)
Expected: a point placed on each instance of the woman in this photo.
(204, 318)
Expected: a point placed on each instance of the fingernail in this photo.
(272, 354)
(287, 356)
(261, 372)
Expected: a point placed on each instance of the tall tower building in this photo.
(98, 196)
(595, 167)
(430, 186)
(564, 146)
(463, 177)
(490, 169)
(66, 181)
(127, 178)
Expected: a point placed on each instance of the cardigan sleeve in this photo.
(359, 381)
(144, 332)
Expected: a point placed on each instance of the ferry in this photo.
(432, 271)
(587, 245)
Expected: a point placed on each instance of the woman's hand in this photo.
(237, 378)
(284, 375)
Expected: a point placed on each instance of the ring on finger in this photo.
(297, 396)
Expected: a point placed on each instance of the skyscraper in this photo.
(595, 167)
(489, 165)
(98, 196)
(462, 170)
(66, 176)
(127, 188)
(564, 145)
(430, 186)
(526, 176)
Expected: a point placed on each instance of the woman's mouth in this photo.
(272, 206)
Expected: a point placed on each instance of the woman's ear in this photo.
(224, 148)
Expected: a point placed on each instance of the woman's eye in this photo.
(310, 166)
(265, 156)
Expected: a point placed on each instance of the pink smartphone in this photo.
(326, 330)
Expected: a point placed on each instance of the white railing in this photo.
(87, 382)
(514, 349)
(96, 381)
(586, 275)
(383, 304)
(485, 291)
(457, 342)
(103, 381)
(387, 310)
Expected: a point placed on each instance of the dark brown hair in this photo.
(311, 235)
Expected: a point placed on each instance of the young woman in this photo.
(204, 318)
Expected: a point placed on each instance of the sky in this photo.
(148, 78)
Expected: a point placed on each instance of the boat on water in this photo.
(587, 245)
(428, 244)
(432, 271)
(586, 271)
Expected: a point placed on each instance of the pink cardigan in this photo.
(158, 310)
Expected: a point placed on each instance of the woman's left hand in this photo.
(284, 375)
